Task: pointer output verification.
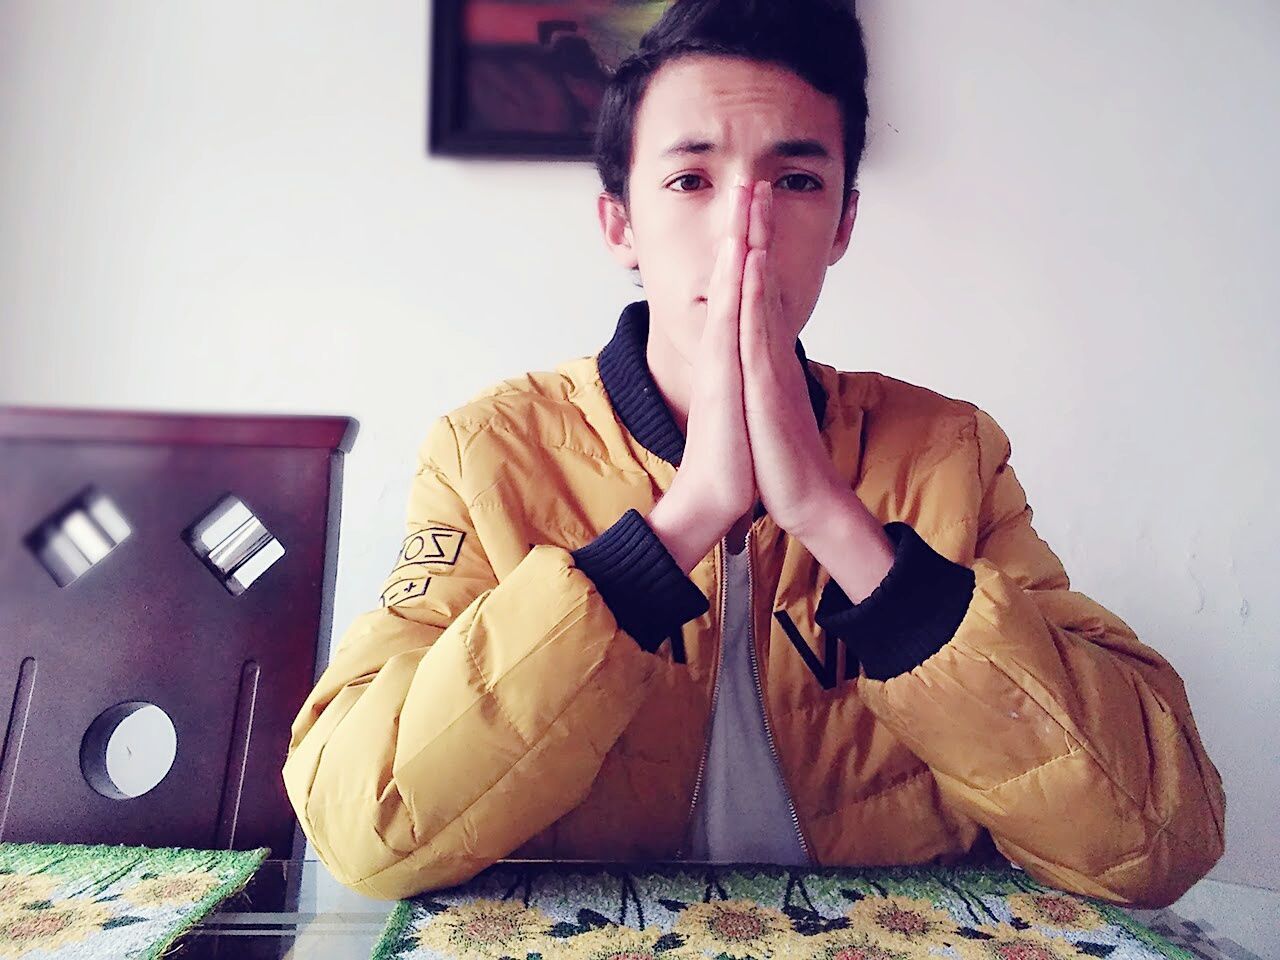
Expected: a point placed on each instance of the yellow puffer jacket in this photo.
(493, 706)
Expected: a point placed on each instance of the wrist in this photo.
(685, 528)
(827, 503)
(852, 546)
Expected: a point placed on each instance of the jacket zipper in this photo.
(768, 728)
(715, 694)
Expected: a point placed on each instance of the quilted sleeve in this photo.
(463, 715)
(1046, 720)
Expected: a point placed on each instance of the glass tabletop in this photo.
(295, 910)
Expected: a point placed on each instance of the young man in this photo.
(698, 597)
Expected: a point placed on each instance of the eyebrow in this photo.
(804, 147)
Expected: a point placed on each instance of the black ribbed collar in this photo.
(624, 371)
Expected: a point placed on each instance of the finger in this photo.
(753, 336)
(760, 232)
(726, 273)
(724, 297)
(739, 208)
(772, 295)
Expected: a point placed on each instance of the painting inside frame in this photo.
(526, 77)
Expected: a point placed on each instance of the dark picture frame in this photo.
(524, 78)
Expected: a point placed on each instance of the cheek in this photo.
(692, 248)
(678, 246)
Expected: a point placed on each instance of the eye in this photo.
(683, 177)
(804, 177)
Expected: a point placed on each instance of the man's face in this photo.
(703, 121)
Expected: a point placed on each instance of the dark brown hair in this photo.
(819, 40)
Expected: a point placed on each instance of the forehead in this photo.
(732, 101)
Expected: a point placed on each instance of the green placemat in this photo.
(64, 901)
(548, 911)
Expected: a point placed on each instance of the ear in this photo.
(844, 230)
(617, 230)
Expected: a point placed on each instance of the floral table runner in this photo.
(548, 911)
(63, 901)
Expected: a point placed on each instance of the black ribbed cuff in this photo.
(910, 616)
(647, 592)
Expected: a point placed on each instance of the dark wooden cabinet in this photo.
(152, 622)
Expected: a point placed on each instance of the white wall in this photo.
(1068, 215)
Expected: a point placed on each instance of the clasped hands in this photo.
(751, 430)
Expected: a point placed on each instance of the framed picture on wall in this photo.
(526, 77)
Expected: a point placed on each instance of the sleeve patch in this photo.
(401, 590)
(431, 545)
(425, 553)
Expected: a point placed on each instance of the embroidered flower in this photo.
(903, 923)
(484, 929)
(171, 889)
(1010, 943)
(19, 889)
(617, 942)
(738, 928)
(851, 945)
(26, 930)
(1055, 910)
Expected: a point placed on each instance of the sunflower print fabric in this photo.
(548, 911)
(110, 901)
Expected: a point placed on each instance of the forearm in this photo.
(686, 530)
(640, 567)
(1076, 750)
(848, 541)
(404, 758)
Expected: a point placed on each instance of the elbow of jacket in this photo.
(1163, 873)
(350, 840)
(413, 875)
(405, 877)
(1164, 868)
(400, 878)
(357, 858)
(397, 885)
